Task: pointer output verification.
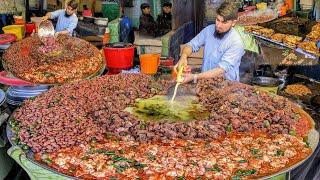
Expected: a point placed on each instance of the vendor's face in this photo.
(70, 11)
(166, 9)
(223, 26)
(146, 10)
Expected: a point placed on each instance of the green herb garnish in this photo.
(121, 151)
(292, 132)
(85, 158)
(215, 168)
(151, 157)
(254, 151)
(47, 160)
(245, 172)
(139, 165)
(280, 152)
(242, 161)
(236, 178)
(229, 128)
(266, 123)
(181, 178)
(119, 158)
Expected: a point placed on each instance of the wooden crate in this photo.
(52, 2)
(195, 61)
(198, 54)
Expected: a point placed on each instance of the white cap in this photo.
(107, 30)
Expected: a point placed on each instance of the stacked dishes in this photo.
(17, 94)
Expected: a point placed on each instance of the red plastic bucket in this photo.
(118, 59)
(30, 27)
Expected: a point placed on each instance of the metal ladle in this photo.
(46, 29)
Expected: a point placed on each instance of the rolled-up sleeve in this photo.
(198, 41)
(55, 14)
(232, 57)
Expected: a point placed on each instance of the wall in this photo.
(210, 11)
(182, 12)
(91, 4)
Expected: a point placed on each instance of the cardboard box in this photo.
(52, 2)
(195, 61)
(198, 54)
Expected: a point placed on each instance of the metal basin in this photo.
(266, 81)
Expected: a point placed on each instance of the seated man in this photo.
(86, 11)
(147, 24)
(164, 20)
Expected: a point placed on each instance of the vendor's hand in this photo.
(183, 61)
(33, 33)
(44, 18)
(187, 69)
(56, 34)
(188, 77)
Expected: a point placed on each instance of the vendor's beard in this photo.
(220, 35)
(66, 14)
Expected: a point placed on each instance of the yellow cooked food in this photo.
(297, 90)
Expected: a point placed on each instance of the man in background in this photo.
(147, 24)
(165, 18)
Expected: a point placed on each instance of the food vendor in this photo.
(223, 47)
(67, 19)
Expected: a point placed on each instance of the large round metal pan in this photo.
(313, 139)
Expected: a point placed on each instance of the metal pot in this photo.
(266, 81)
(88, 19)
(119, 45)
(101, 21)
(315, 101)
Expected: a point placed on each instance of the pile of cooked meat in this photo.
(88, 110)
(52, 61)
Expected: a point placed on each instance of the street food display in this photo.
(310, 47)
(256, 17)
(292, 41)
(52, 61)
(264, 32)
(83, 129)
(278, 37)
(239, 155)
(252, 28)
(297, 90)
(314, 35)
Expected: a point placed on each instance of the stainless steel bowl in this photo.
(101, 21)
(266, 81)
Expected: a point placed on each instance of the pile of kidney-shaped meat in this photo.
(71, 114)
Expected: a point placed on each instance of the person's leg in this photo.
(3, 19)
